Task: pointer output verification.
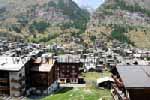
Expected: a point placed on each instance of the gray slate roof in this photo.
(68, 58)
(135, 76)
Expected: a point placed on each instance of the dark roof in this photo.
(135, 76)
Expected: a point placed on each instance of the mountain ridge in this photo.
(33, 18)
(127, 23)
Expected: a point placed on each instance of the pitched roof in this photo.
(12, 63)
(135, 76)
(45, 66)
(68, 58)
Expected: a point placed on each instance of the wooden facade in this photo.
(139, 94)
(131, 83)
(67, 72)
(40, 79)
(4, 83)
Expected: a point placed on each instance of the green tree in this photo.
(39, 26)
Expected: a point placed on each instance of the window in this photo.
(73, 71)
(67, 66)
(62, 80)
(73, 67)
(20, 75)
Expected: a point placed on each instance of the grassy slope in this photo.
(90, 92)
(80, 94)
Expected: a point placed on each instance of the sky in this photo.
(89, 3)
(82, 3)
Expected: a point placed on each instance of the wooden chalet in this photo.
(67, 68)
(42, 77)
(132, 83)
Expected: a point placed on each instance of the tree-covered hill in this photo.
(127, 21)
(31, 18)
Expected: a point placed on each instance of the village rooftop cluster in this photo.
(32, 69)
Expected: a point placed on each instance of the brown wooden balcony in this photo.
(74, 73)
(22, 78)
(4, 80)
(4, 88)
(119, 93)
(23, 86)
(20, 89)
(18, 81)
(15, 81)
(16, 89)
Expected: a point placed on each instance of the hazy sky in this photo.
(90, 3)
(82, 3)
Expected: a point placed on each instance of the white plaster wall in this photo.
(15, 75)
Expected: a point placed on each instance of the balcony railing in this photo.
(15, 81)
(20, 89)
(4, 88)
(4, 80)
(18, 81)
(119, 93)
(23, 78)
(74, 73)
(15, 89)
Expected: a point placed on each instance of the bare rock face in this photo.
(31, 17)
(142, 3)
(127, 21)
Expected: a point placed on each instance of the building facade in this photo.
(42, 79)
(12, 77)
(67, 69)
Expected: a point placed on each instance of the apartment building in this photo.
(12, 76)
(4, 82)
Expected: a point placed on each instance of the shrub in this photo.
(39, 26)
(118, 33)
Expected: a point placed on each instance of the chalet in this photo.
(67, 68)
(132, 83)
(42, 80)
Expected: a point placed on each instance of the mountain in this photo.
(126, 21)
(40, 20)
(64, 22)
